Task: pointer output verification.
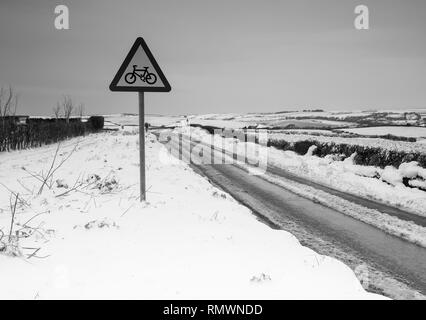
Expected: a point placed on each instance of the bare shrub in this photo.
(47, 179)
(68, 107)
(10, 243)
(10, 246)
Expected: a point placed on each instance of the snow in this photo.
(117, 121)
(336, 120)
(235, 121)
(386, 144)
(189, 240)
(392, 176)
(356, 179)
(228, 124)
(412, 170)
(322, 132)
(401, 131)
(311, 150)
(418, 183)
(344, 176)
(309, 123)
(321, 119)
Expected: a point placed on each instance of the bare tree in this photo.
(8, 102)
(57, 110)
(67, 106)
(80, 110)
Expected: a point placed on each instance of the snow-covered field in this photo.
(317, 119)
(403, 131)
(302, 121)
(114, 121)
(360, 141)
(86, 235)
(228, 124)
(264, 120)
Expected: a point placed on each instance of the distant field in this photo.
(415, 132)
(323, 132)
(114, 121)
(310, 123)
(316, 119)
(275, 121)
(229, 124)
(362, 123)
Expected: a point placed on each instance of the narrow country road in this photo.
(394, 267)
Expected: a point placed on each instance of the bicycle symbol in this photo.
(143, 74)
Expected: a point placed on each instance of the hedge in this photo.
(37, 131)
(367, 156)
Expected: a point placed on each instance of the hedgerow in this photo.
(364, 155)
(37, 132)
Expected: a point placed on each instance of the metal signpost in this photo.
(140, 72)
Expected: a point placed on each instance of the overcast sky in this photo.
(218, 55)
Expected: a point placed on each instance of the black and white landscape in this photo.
(287, 162)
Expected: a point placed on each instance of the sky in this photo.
(219, 56)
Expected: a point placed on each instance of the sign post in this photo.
(140, 73)
(142, 145)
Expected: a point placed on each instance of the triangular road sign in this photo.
(140, 72)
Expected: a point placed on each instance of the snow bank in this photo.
(189, 240)
(345, 176)
(392, 176)
(311, 151)
(412, 170)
